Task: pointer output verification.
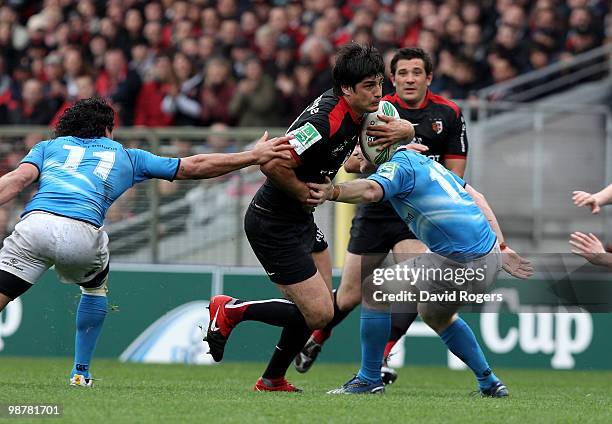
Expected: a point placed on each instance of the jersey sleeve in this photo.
(36, 156)
(147, 166)
(457, 143)
(309, 136)
(395, 177)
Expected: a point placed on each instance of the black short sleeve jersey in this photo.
(325, 135)
(439, 125)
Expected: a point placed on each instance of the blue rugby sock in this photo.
(460, 340)
(375, 328)
(89, 320)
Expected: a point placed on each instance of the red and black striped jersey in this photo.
(438, 124)
(325, 135)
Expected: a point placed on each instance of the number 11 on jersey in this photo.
(76, 154)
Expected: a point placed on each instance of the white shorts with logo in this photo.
(40, 240)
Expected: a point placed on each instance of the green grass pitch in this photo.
(209, 394)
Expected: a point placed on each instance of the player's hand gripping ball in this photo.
(369, 152)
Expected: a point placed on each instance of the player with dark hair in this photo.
(461, 233)
(280, 226)
(376, 228)
(81, 172)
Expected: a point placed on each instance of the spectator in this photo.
(149, 111)
(317, 51)
(407, 22)
(217, 89)
(298, 91)
(73, 67)
(85, 89)
(182, 100)
(219, 143)
(33, 109)
(119, 84)
(206, 48)
(255, 102)
(54, 88)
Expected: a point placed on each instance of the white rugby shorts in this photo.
(40, 240)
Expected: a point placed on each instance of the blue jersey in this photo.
(81, 178)
(435, 205)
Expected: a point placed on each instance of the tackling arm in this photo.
(15, 181)
(482, 203)
(280, 172)
(594, 201)
(215, 164)
(356, 191)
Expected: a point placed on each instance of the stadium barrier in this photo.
(156, 309)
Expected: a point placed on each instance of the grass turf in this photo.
(199, 394)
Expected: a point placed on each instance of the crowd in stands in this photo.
(259, 63)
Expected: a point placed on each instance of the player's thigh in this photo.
(313, 299)
(408, 248)
(356, 269)
(322, 257)
(81, 254)
(284, 248)
(12, 286)
(4, 300)
(25, 252)
(438, 315)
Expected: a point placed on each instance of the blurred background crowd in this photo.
(259, 63)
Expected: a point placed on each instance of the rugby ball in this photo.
(369, 152)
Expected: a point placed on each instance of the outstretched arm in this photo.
(15, 181)
(483, 205)
(215, 164)
(590, 248)
(594, 201)
(356, 191)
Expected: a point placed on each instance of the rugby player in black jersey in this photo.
(279, 223)
(376, 228)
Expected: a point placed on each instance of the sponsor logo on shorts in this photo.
(12, 263)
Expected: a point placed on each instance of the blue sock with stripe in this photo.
(460, 340)
(375, 328)
(89, 320)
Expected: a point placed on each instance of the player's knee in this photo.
(435, 319)
(96, 291)
(349, 299)
(321, 318)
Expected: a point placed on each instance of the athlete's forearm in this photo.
(482, 203)
(214, 164)
(283, 177)
(357, 191)
(604, 197)
(11, 185)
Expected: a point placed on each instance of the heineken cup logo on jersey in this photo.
(10, 320)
